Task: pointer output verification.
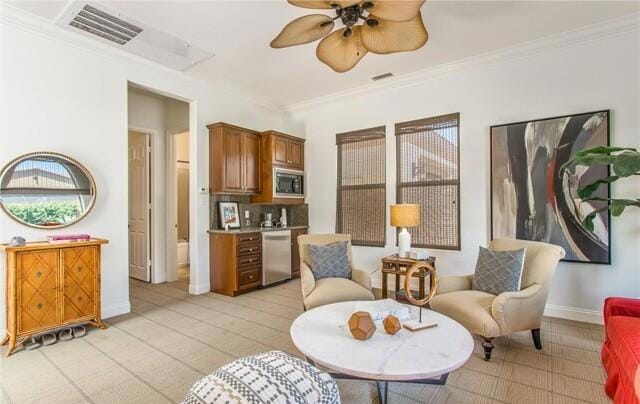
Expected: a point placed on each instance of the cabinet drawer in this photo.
(248, 277)
(249, 238)
(249, 260)
(249, 249)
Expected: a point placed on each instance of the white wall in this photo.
(60, 94)
(602, 74)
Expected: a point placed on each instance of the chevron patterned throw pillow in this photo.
(498, 271)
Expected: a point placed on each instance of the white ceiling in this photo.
(238, 33)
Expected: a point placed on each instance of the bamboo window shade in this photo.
(361, 196)
(428, 174)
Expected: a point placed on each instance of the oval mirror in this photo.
(46, 190)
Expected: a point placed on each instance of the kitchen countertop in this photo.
(254, 229)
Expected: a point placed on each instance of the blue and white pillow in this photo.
(330, 260)
(498, 271)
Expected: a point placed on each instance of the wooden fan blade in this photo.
(392, 36)
(323, 3)
(339, 52)
(305, 29)
(396, 10)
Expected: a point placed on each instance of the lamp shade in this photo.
(405, 215)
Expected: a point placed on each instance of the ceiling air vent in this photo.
(105, 25)
(382, 76)
(100, 23)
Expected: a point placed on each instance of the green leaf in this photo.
(602, 150)
(588, 190)
(629, 159)
(627, 164)
(588, 220)
(617, 207)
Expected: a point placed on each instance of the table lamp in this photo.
(405, 215)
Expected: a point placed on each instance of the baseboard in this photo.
(575, 314)
(116, 309)
(199, 289)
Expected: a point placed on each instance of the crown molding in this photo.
(567, 39)
(47, 28)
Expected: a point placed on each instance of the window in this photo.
(428, 174)
(361, 200)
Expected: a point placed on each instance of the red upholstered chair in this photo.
(621, 349)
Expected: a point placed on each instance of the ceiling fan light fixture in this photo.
(372, 22)
(378, 26)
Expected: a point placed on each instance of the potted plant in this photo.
(624, 162)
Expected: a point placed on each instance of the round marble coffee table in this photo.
(425, 356)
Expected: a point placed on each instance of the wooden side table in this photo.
(398, 266)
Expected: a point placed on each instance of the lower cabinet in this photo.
(295, 252)
(50, 286)
(236, 262)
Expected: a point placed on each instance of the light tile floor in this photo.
(170, 339)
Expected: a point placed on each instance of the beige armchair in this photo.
(493, 316)
(330, 290)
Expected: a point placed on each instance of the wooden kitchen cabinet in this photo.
(278, 150)
(234, 159)
(286, 151)
(295, 252)
(235, 263)
(50, 286)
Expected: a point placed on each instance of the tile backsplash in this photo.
(297, 215)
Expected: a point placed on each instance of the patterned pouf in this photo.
(272, 377)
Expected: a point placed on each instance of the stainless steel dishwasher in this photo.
(276, 256)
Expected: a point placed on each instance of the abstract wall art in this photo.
(531, 199)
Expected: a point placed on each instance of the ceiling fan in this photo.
(388, 26)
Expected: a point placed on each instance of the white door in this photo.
(139, 206)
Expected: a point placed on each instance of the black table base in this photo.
(383, 385)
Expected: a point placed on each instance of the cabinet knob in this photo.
(39, 306)
(79, 268)
(38, 274)
(250, 260)
(250, 276)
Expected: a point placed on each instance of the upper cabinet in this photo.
(282, 151)
(234, 159)
(286, 151)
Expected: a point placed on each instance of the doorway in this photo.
(139, 206)
(181, 146)
(166, 122)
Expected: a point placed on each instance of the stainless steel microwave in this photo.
(288, 183)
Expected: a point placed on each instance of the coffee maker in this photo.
(268, 220)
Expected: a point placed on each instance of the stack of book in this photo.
(68, 238)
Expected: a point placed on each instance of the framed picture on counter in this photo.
(228, 215)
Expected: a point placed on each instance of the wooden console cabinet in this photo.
(234, 159)
(50, 286)
(236, 262)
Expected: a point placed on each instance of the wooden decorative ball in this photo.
(361, 325)
(391, 324)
